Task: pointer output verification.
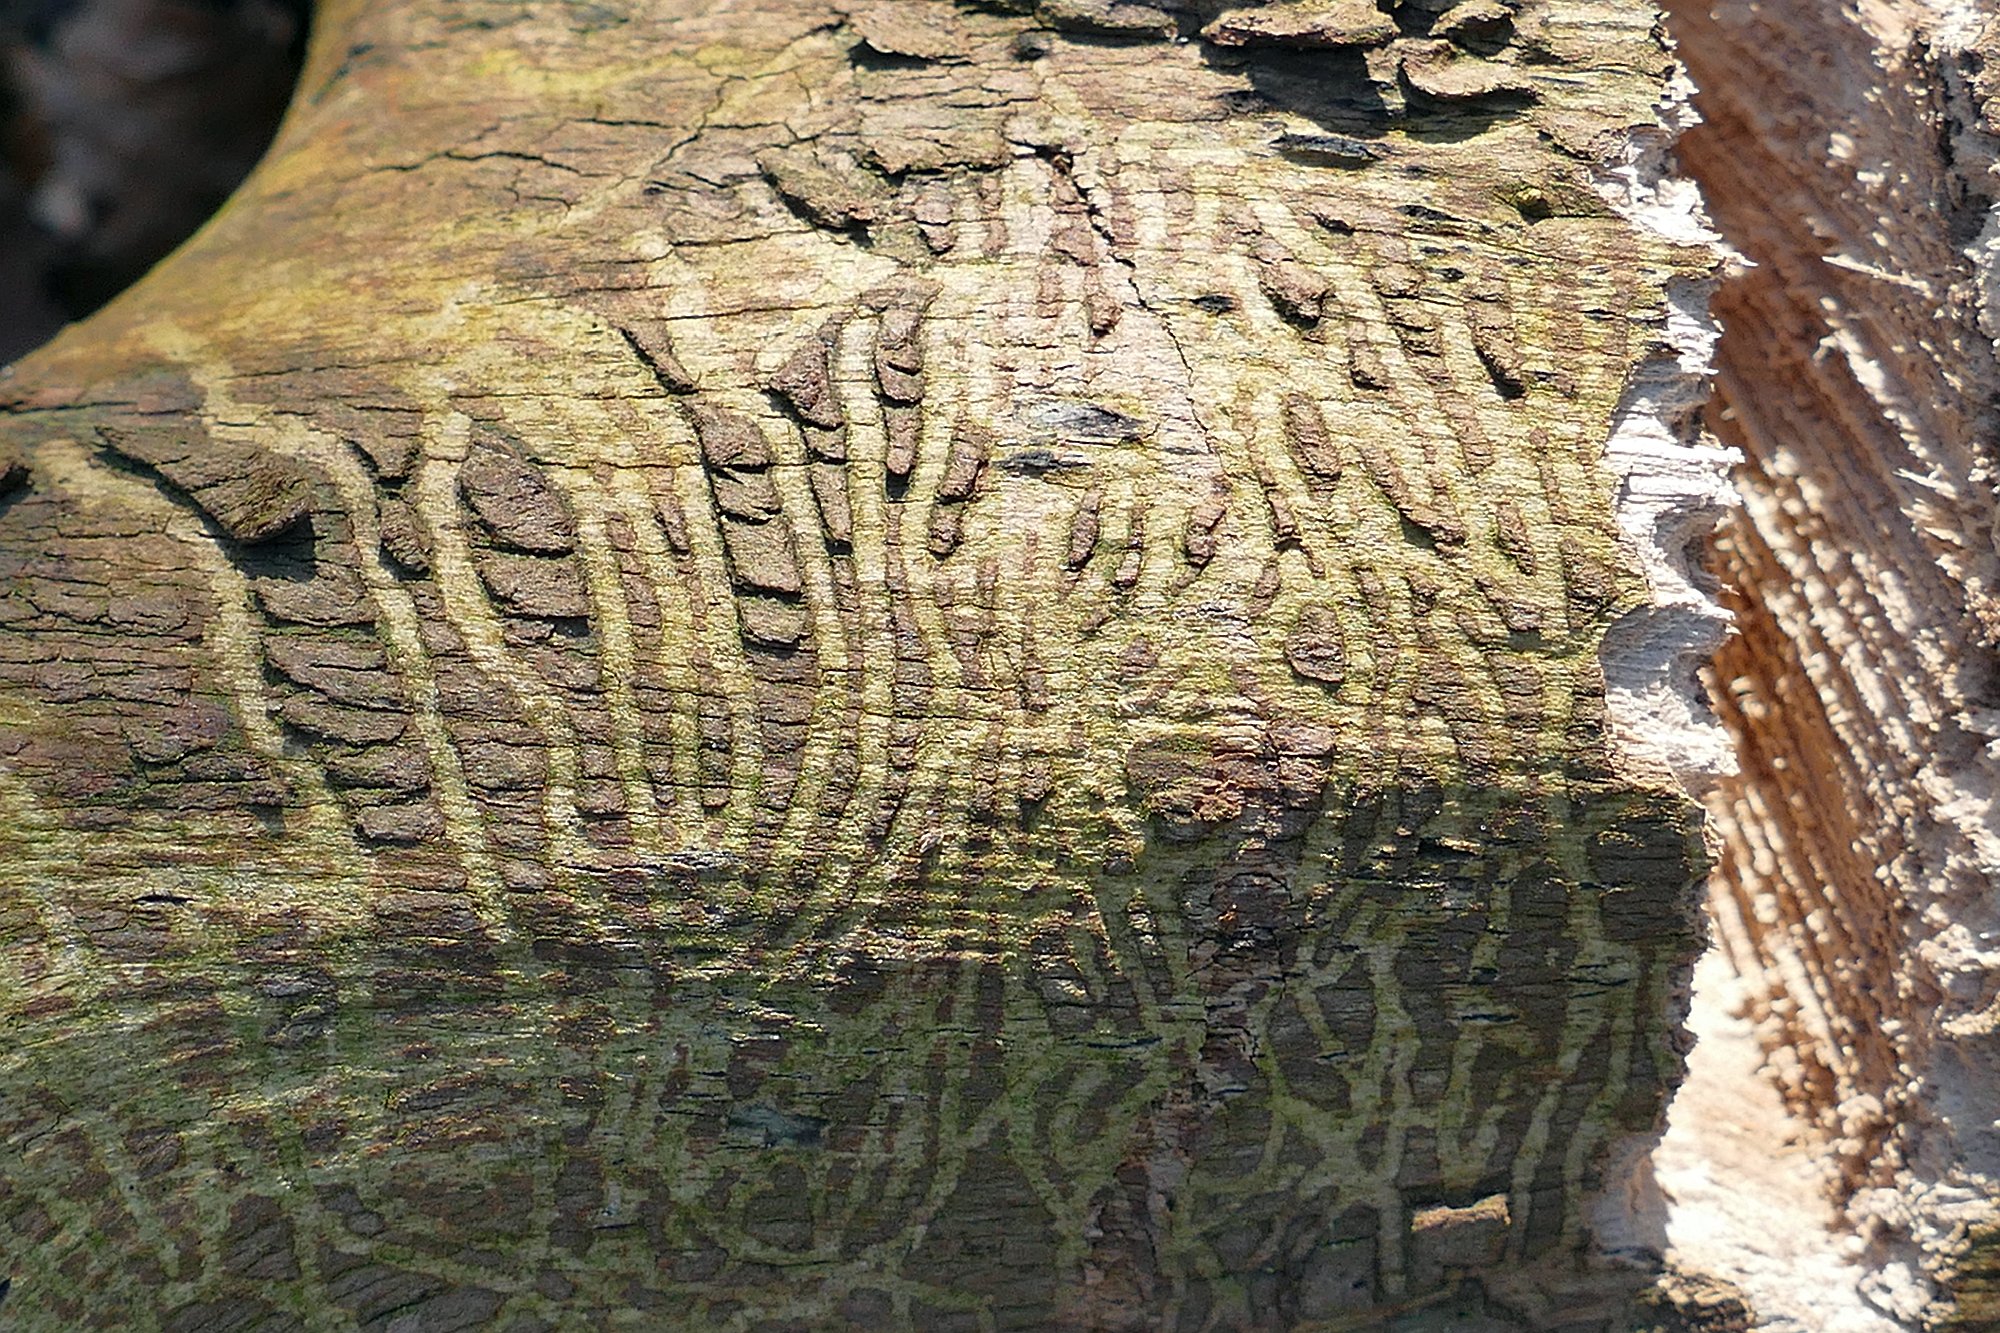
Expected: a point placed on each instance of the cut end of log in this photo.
(1844, 1081)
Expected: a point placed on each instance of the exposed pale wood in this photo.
(1848, 153)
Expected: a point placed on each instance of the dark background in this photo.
(123, 125)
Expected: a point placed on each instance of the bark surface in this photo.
(793, 665)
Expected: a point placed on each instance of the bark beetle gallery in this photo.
(786, 664)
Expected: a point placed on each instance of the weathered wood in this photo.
(939, 666)
(1849, 154)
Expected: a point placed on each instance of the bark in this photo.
(794, 665)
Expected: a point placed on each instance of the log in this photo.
(804, 665)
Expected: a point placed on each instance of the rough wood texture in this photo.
(1850, 156)
(792, 665)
